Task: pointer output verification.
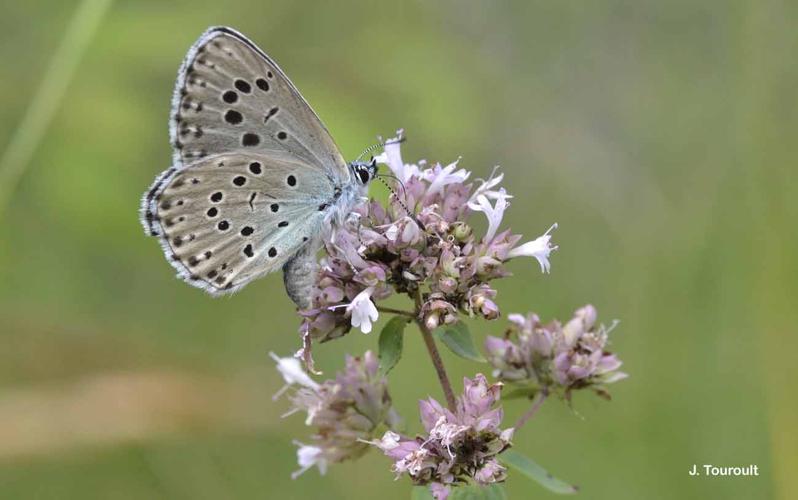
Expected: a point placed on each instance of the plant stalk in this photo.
(435, 356)
(540, 397)
(437, 362)
(399, 312)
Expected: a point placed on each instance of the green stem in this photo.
(399, 312)
(540, 397)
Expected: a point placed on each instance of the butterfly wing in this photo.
(230, 218)
(252, 167)
(230, 96)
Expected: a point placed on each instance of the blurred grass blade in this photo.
(391, 343)
(458, 339)
(47, 97)
(532, 470)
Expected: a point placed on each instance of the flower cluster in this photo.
(345, 411)
(419, 244)
(459, 446)
(538, 357)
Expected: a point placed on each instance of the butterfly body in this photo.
(256, 180)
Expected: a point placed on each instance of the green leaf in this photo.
(491, 492)
(391, 343)
(458, 339)
(533, 471)
(420, 493)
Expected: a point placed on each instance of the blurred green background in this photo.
(660, 135)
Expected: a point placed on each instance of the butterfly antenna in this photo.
(380, 145)
(404, 192)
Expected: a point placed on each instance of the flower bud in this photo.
(569, 357)
(447, 285)
(487, 265)
(461, 231)
(431, 321)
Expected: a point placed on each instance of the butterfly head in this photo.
(364, 171)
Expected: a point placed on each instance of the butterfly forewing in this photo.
(231, 96)
(230, 218)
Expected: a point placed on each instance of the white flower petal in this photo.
(438, 177)
(291, 370)
(539, 248)
(363, 311)
(389, 441)
(486, 188)
(392, 157)
(494, 213)
(307, 457)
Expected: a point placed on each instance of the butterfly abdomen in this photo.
(299, 275)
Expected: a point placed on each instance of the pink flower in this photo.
(346, 412)
(439, 491)
(552, 356)
(492, 471)
(419, 242)
(458, 446)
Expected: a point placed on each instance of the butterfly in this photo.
(256, 179)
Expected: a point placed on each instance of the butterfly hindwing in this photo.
(230, 218)
(230, 96)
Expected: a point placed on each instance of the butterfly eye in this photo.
(364, 175)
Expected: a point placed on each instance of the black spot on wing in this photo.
(250, 139)
(243, 86)
(230, 97)
(233, 117)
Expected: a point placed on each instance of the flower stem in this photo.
(437, 362)
(434, 355)
(539, 399)
(400, 312)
